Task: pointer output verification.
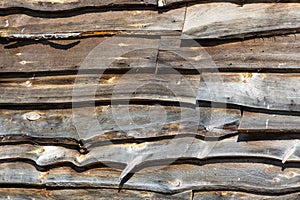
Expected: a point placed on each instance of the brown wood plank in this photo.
(88, 194)
(205, 21)
(249, 177)
(252, 122)
(163, 151)
(63, 5)
(60, 126)
(257, 90)
(96, 23)
(230, 195)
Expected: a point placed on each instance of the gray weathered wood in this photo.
(68, 55)
(164, 151)
(63, 5)
(59, 125)
(257, 90)
(94, 87)
(239, 2)
(249, 177)
(98, 23)
(231, 195)
(228, 20)
(278, 53)
(87, 194)
(269, 123)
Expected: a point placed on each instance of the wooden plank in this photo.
(229, 195)
(69, 55)
(252, 122)
(60, 126)
(135, 86)
(161, 152)
(96, 23)
(79, 194)
(267, 54)
(63, 5)
(256, 90)
(278, 53)
(247, 177)
(205, 21)
(239, 2)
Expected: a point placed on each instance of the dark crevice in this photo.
(54, 45)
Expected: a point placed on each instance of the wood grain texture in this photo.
(238, 2)
(99, 88)
(248, 177)
(230, 195)
(63, 5)
(205, 21)
(26, 26)
(252, 122)
(160, 152)
(115, 123)
(87, 194)
(256, 90)
(68, 55)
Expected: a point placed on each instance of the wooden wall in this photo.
(230, 133)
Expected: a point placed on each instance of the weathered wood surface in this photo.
(93, 87)
(87, 194)
(208, 20)
(102, 194)
(253, 122)
(264, 19)
(63, 5)
(115, 123)
(159, 152)
(256, 90)
(248, 177)
(231, 195)
(68, 55)
(149, 151)
(25, 26)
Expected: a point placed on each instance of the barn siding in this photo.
(231, 133)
